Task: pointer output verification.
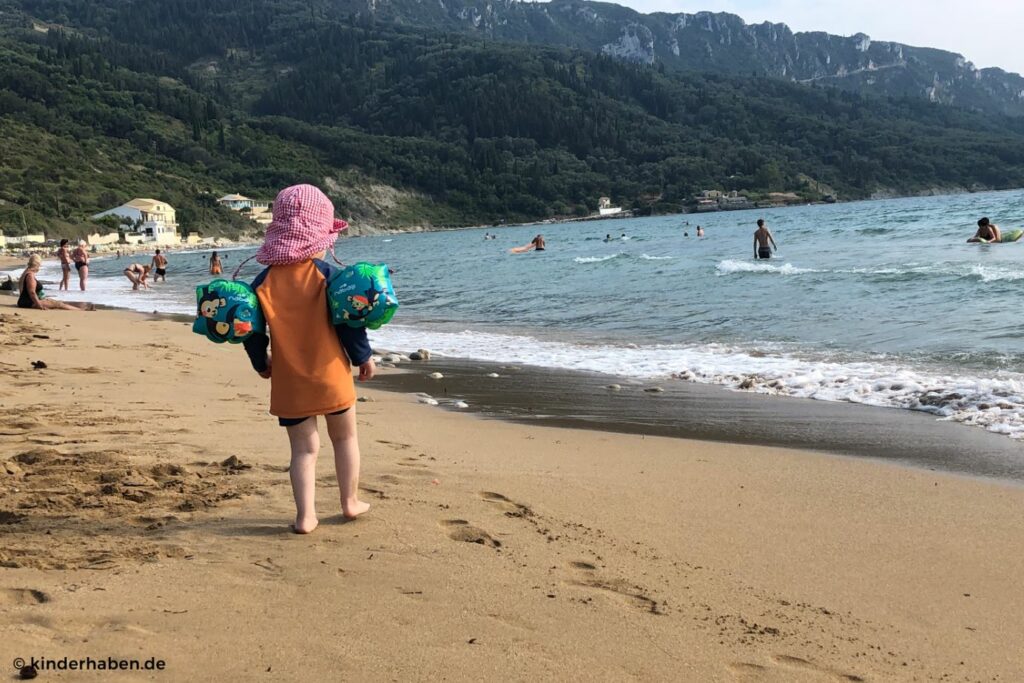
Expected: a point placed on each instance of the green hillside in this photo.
(186, 100)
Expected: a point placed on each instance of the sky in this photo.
(986, 32)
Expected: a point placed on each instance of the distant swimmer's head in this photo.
(983, 223)
(34, 262)
(760, 222)
(686, 234)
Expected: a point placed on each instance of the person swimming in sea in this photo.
(987, 232)
(762, 239)
(700, 231)
(536, 244)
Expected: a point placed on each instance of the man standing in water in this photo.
(762, 238)
(159, 266)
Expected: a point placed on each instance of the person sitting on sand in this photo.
(159, 266)
(762, 238)
(138, 275)
(80, 256)
(987, 232)
(215, 265)
(30, 291)
(310, 367)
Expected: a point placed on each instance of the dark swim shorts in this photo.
(161, 271)
(80, 264)
(764, 252)
(292, 421)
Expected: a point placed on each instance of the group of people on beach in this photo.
(31, 293)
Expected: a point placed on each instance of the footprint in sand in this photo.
(10, 597)
(626, 592)
(511, 508)
(788, 668)
(463, 531)
(372, 491)
(394, 444)
(270, 566)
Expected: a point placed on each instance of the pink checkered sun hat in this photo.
(303, 225)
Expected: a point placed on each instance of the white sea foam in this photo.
(117, 292)
(595, 259)
(647, 257)
(729, 266)
(995, 402)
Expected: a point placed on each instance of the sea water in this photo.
(881, 302)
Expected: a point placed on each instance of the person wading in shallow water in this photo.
(64, 254)
(762, 239)
(81, 258)
(159, 266)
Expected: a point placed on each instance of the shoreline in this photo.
(680, 408)
(492, 548)
(687, 410)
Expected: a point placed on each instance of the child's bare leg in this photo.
(342, 430)
(305, 443)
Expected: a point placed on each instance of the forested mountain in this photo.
(189, 99)
(717, 42)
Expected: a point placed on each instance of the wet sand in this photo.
(676, 408)
(144, 507)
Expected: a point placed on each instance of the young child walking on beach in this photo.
(310, 364)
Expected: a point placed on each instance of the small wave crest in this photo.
(595, 259)
(992, 400)
(648, 257)
(730, 266)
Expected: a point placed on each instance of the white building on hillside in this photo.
(152, 219)
(255, 209)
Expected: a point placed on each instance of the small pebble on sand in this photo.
(436, 375)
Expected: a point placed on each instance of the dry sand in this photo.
(144, 505)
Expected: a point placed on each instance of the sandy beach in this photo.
(144, 510)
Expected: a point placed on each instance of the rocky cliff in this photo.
(720, 42)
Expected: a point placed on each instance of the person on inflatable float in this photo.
(987, 232)
(310, 363)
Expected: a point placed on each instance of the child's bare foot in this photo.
(354, 508)
(305, 526)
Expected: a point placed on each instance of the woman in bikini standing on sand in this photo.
(81, 258)
(65, 264)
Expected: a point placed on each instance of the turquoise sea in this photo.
(878, 302)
